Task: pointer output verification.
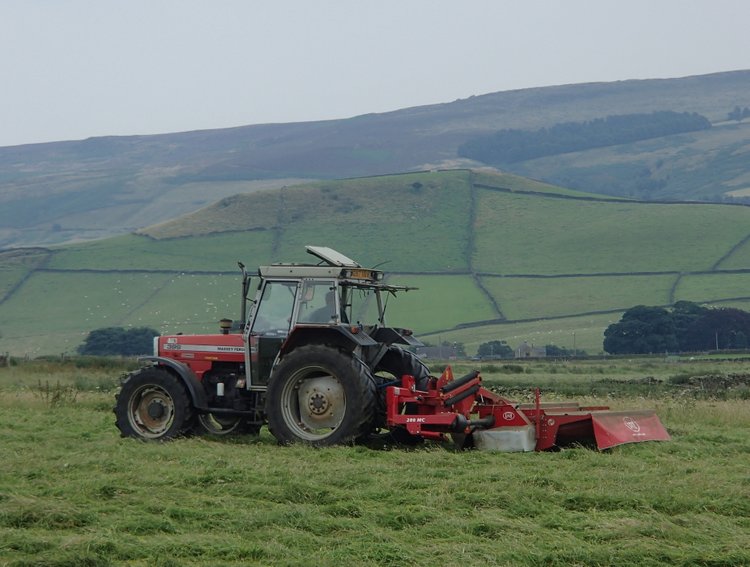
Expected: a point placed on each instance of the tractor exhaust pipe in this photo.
(245, 289)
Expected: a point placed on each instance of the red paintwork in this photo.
(616, 428)
(201, 352)
(430, 414)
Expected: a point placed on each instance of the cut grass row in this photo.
(73, 492)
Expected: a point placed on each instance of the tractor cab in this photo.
(335, 301)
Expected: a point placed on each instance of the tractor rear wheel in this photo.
(153, 404)
(321, 396)
(396, 362)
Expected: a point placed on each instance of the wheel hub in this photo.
(322, 403)
(318, 403)
(152, 411)
(155, 410)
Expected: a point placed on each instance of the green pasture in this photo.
(395, 221)
(526, 234)
(16, 265)
(582, 332)
(53, 312)
(440, 302)
(414, 222)
(521, 298)
(65, 301)
(216, 252)
(738, 259)
(517, 183)
(212, 297)
(702, 287)
(444, 232)
(417, 222)
(11, 274)
(68, 305)
(72, 492)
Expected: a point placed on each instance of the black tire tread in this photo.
(163, 378)
(359, 424)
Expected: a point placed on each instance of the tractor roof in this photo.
(331, 257)
(332, 265)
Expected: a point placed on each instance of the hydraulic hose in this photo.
(463, 395)
(450, 386)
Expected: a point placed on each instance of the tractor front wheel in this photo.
(320, 396)
(153, 404)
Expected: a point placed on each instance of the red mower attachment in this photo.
(470, 412)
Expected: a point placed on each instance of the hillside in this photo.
(67, 191)
(709, 165)
(495, 257)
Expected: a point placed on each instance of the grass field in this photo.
(439, 302)
(525, 234)
(581, 332)
(720, 285)
(72, 492)
(216, 252)
(453, 234)
(536, 297)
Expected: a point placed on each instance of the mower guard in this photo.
(612, 428)
(465, 409)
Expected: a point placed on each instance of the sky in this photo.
(74, 69)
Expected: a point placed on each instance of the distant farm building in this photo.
(444, 352)
(525, 350)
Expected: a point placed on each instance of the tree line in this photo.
(685, 327)
(510, 145)
(119, 341)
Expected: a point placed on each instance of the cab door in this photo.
(268, 329)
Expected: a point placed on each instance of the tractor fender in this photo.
(188, 377)
(341, 336)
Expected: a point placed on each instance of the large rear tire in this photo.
(321, 396)
(153, 404)
(396, 362)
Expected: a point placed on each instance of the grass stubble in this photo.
(72, 492)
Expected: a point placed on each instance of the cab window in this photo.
(317, 303)
(274, 311)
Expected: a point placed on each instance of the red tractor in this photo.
(304, 363)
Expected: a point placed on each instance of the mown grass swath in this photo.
(74, 493)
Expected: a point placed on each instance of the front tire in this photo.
(153, 404)
(320, 396)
